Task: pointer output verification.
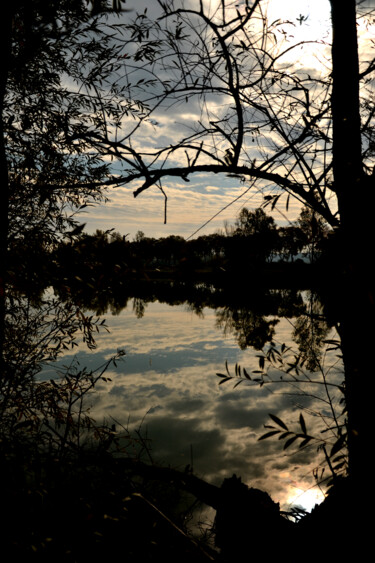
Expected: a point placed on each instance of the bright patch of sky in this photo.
(310, 18)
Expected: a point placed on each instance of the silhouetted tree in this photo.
(256, 222)
(312, 134)
(260, 230)
(54, 86)
(314, 230)
(292, 241)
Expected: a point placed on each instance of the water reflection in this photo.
(167, 388)
(249, 328)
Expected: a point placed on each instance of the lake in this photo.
(166, 390)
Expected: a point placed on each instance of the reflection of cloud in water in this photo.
(167, 384)
(171, 441)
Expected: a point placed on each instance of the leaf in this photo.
(335, 343)
(278, 421)
(340, 443)
(246, 374)
(305, 441)
(302, 423)
(289, 442)
(261, 362)
(284, 435)
(224, 380)
(339, 458)
(268, 435)
(23, 424)
(274, 203)
(339, 465)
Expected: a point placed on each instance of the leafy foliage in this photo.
(54, 411)
(60, 94)
(61, 101)
(279, 365)
(56, 82)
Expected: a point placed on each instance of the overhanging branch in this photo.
(249, 171)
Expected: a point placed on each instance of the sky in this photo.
(202, 205)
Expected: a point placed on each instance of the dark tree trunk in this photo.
(355, 194)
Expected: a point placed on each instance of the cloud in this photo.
(189, 206)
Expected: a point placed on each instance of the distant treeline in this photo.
(253, 244)
(254, 239)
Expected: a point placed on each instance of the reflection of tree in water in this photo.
(249, 327)
(139, 307)
(254, 328)
(251, 317)
(310, 331)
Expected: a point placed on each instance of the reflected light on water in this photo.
(307, 499)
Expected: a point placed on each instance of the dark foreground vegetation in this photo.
(95, 505)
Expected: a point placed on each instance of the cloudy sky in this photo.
(191, 205)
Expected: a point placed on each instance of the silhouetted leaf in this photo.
(338, 445)
(23, 424)
(268, 435)
(261, 362)
(302, 423)
(289, 442)
(225, 379)
(246, 374)
(305, 441)
(339, 457)
(339, 465)
(284, 435)
(278, 421)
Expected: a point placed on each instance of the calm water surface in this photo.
(166, 386)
